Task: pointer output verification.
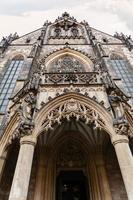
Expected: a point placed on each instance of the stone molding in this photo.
(115, 139)
(28, 140)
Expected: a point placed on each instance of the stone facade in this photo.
(66, 114)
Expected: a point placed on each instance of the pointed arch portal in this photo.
(75, 131)
(72, 105)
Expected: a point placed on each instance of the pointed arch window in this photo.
(66, 64)
(9, 81)
(124, 71)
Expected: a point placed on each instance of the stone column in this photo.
(41, 176)
(50, 180)
(94, 188)
(2, 164)
(125, 160)
(102, 177)
(19, 189)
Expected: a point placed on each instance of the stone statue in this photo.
(34, 81)
(57, 32)
(33, 50)
(75, 32)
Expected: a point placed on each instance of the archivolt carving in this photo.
(73, 109)
(66, 49)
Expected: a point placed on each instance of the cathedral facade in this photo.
(66, 120)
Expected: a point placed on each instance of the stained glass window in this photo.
(9, 80)
(124, 71)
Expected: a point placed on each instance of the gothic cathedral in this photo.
(66, 114)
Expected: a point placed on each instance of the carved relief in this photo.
(75, 78)
(122, 128)
(72, 109)
(65, 28)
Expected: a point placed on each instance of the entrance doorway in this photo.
(71, 185)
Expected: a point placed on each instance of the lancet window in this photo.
(123, 70)
(9, 81)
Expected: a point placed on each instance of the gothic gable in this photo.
(29, 38)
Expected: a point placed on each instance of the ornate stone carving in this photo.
(121, 128)
(127, 39)
(65, 27)
(67, 64)
(75, 32)
(72, 109)
(100, 49)
(6, 41)
(26, 110)
(75, 78)
(34, 50)
(57, 32)
(34, 81)
(65, 16)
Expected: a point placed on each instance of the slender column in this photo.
(2, 164)
(125, 160)
(50, 180)
(94, 189)
(103, 179)
(21, 178)
(41, 177)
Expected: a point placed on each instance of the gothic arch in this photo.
(17, 55)
(72, 105)
(117, 55)
(9, 132)
(86, 59)
(62, 107)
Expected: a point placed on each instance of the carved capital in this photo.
(26, 128)
(28, 140)
(115, 139)
(121, 128)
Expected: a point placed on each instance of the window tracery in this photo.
(67, 64)
(122, 70)
(9, 80)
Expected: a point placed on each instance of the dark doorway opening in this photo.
(71, 185)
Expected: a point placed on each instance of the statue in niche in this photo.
(100, 49)
(57, 32)
(33, 50)
(34, 81)
(75, 32)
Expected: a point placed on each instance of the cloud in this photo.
(120, 8)
(18, 7)
(27, 15)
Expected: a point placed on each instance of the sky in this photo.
(23, 16)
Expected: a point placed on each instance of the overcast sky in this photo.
(24, 16)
